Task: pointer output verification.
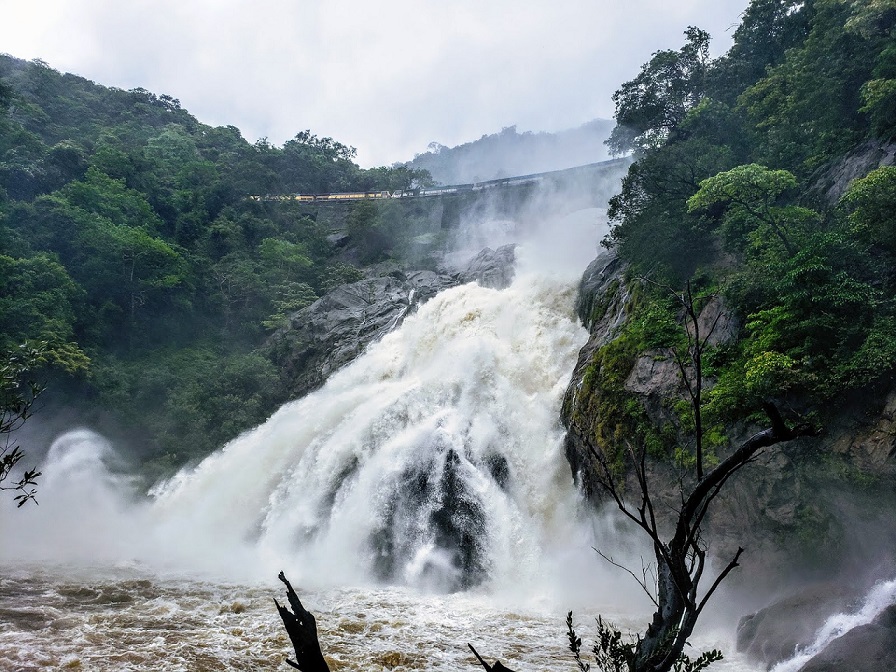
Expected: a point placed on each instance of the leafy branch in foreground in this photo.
(612, 653)
(17, 396)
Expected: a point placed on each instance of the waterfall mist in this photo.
(433, 461)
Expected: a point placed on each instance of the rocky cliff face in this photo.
(835, 179)
(819, 507)
(335, 329)
(810, 501)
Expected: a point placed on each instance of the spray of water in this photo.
(434, 460)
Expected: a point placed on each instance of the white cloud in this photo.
(387, 77)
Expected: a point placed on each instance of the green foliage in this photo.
(747, 198)
(339, 273)
(879, 103)
(615, 653)
(730, 193)
(871, 203)
(37, 302)
(291, 297)
(805, 110)
(768, 28)
(651, 227)
(18, 393)
(204, 397)
(650, 107)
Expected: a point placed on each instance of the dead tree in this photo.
(497, 667)
(302, 630)
(680, 561)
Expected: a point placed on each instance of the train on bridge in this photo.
(424, 192)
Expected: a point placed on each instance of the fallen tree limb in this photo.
(302, 630)
(497, 667)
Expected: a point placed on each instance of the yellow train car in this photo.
(341, 197)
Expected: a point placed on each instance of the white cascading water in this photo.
(881, 596)
(437, 451)
(432, 463)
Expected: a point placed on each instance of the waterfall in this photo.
(434, 460)
(421, 495)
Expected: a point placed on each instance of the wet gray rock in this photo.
(336, 328)
(866, 648)
(331, 332)
(836, 178)
(598, 300)
(774, 633)
(491, 268)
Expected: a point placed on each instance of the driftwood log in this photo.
(302, 630)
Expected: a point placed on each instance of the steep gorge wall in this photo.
(818, 505)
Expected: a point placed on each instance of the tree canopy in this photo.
(732, 155)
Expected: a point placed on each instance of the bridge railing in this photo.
(447, 190)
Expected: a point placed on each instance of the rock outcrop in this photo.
(791, 625)
(490, 268)
(601, 306)
(866, 648)
(812, 508)
(776, 632)
(336, 328)
(836, 178)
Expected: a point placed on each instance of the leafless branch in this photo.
(640, 581)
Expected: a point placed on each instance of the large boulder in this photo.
(491, 268)
(776, 632)
(789, 627)
(336, 328)
(866, 648)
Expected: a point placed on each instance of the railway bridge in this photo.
(578, 176)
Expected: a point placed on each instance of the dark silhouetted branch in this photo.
(497, 667)
(302, 630)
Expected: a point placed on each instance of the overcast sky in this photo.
(387, 76)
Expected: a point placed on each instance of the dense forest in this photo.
(132, 257)
(743, 188)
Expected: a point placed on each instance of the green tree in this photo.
(650, 107)
(18, 393)
(125, 269)
(768, 28)
(748, 199)
(37, 303)
(871, 202)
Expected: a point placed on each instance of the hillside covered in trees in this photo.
(744, 186)
(763, 198)
(129, 248)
